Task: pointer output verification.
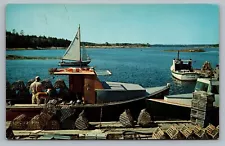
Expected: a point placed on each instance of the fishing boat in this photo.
(101, 100)
(179, 106)
(74, 55)
(183, 70)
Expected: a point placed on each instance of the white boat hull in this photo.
(189, 76)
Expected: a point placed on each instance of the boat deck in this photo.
(171, 102)
(185, 99)
(154, 89)
(121, 86)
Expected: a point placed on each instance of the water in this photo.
(148, 67)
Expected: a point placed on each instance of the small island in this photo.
(186, 50)
(16, 57)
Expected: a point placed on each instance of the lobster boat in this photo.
(101, 100)
(183, 70)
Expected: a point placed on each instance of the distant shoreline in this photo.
(186, 50)
(115, 47)
(17, 57)
(86, 47)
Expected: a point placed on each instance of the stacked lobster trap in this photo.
(202, 108)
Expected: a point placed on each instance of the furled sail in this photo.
(73, 51)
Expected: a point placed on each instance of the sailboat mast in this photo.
(80, 47)
(178, 54)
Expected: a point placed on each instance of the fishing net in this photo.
(51, 107)
(9, 92)
(36, 123)
(144, 118)
(20, 122)
(29, 83)
(65, 112)
(82, 122)
(60, 84)
(47, 84)
(53, 125)
(18, 85)
(126, 119)
(64, 94)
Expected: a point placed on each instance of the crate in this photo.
(158, 134)
(212, 131)
(203, 96)
(201, 122)
(199, 132)
(198, 114)
(173, 133)
(200, 105)
(186, 132)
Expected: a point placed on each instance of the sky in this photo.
(119, 23)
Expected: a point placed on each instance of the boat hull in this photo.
(76, 63)
(94, 112)
(185, 76)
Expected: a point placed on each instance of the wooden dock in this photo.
(103, 130)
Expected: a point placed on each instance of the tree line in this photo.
(19, 40)
(16, 39)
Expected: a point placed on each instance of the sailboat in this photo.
(74, 56)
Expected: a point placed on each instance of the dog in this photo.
(43, 95)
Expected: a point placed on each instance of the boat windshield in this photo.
(201, 86)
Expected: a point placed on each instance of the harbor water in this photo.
(148, 67)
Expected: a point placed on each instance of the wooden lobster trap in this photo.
(126, 119)
(36, 123)
(186, 132)
(20, 122)
(173, 133)
(158, 134)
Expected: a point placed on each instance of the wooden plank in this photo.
(118, 124)
(114, 130)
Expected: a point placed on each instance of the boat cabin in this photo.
(179, 64)
(207, 85)
(84, 82)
